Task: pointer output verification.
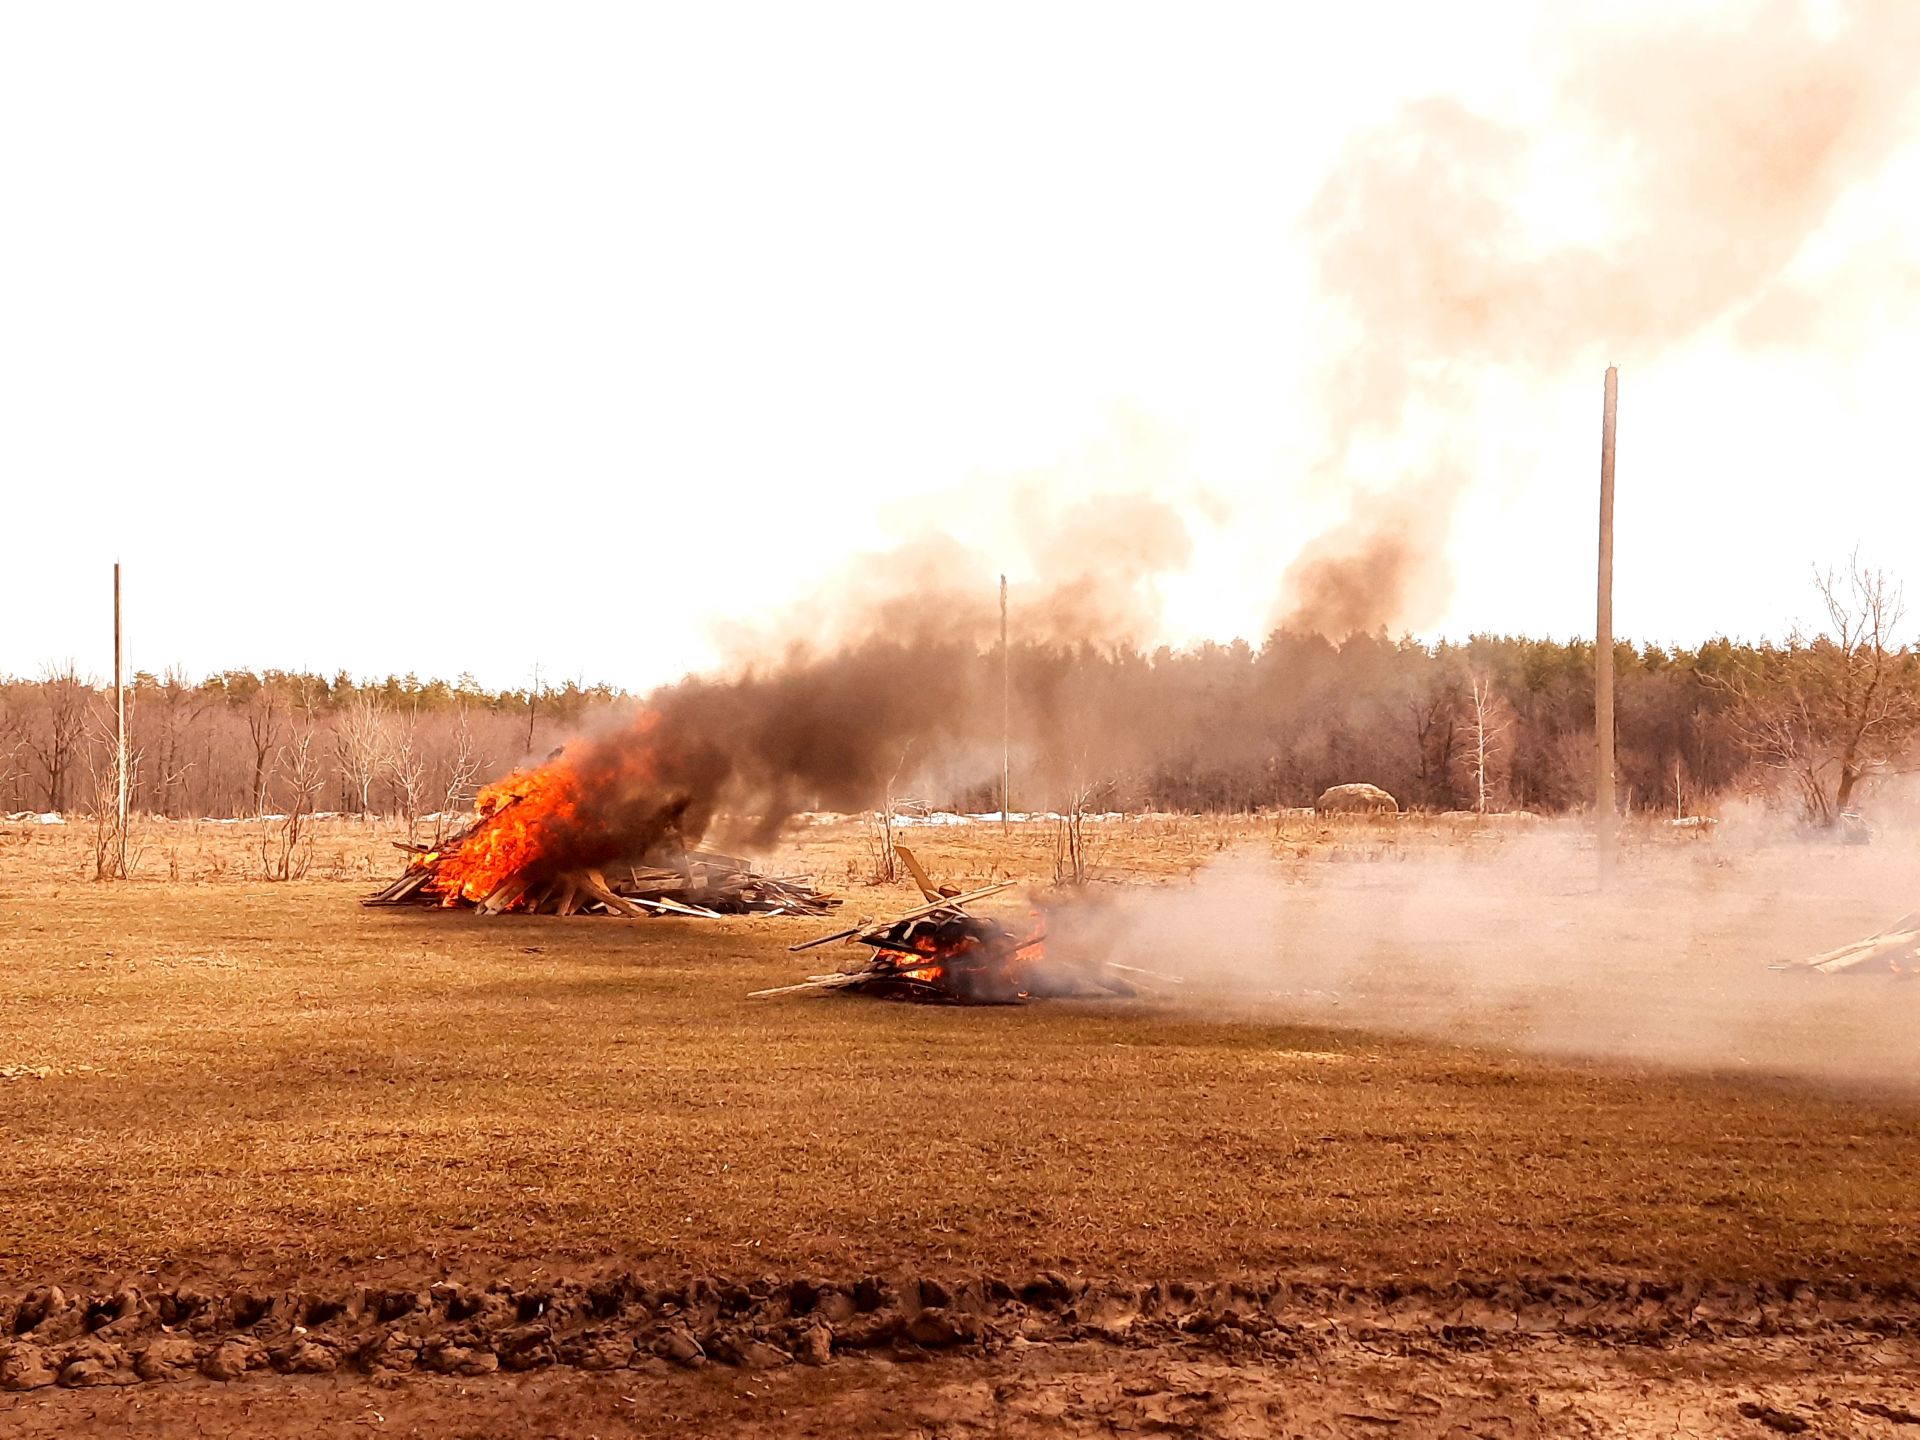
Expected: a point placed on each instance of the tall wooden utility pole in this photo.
(1604, 817)
(1006, 715)
(120, 743)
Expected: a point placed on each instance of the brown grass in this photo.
(229, 1073)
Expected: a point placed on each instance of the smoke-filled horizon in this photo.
(903, 715)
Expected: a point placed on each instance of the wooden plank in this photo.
(1902, 933)
(597, 887)
(406, 885)
(816, 982)
(847, 934)
(1889, 949)
(912, 862)
(951, 902)
(673, 907)
(504, 894)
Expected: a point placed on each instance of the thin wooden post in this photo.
(1605, 817)
(533, 704)
(120, 743)
(1006, 716)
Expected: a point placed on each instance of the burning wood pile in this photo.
(539, 845)
(940, 954)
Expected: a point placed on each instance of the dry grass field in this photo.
(1403, 1053)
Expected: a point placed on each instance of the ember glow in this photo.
(958, 958)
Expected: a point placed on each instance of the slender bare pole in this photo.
(1604, 816)
(1006, 715)
(120, 744)
(533, 704)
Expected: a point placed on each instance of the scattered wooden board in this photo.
(1895, 950)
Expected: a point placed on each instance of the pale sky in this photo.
(445, 338)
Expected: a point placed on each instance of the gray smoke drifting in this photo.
(891, 673)
(1092, 570)
(1730, 142)
(1514, 949)
(1727, 142)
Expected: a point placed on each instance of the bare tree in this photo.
(1826, 711)
(265, 715)
(286, 840)
(406, 762)
(13, 744)
(1435, 714)
(1488, 719)
(361, 737)
(1083, 790)
(463, 768)
(110, 827)
(883, 862)
(54, 733)
(169, 709)
(1070, 841)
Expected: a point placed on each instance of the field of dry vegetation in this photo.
(1402, 1056)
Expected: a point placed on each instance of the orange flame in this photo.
(975, 961)
(586, 806)
(517, 815)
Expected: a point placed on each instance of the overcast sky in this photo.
(446, 338)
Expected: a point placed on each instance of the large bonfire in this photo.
(516, 821)
(599, 827)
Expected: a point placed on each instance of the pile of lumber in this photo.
(725, 885)
(699, 882)
(1892, 951)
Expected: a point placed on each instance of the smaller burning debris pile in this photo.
(1892, 951)
(699, 882)
(939, 954)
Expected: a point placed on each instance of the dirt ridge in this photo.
(50, 1335)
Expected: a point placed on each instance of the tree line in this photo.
(237, 743)
(1495, 722)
